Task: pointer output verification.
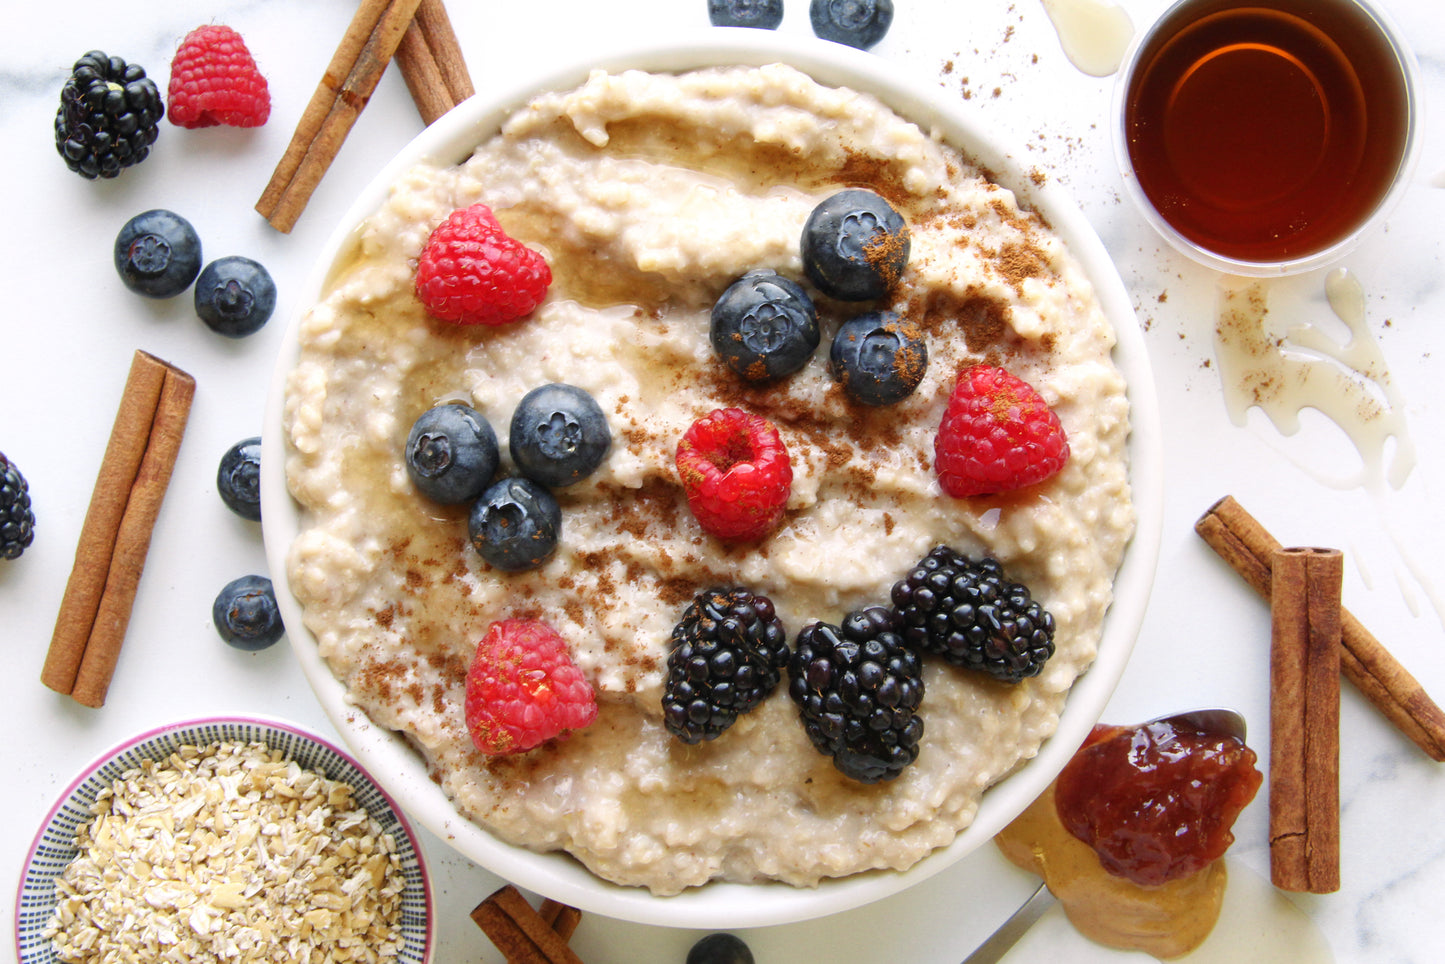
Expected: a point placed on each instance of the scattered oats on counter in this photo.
(229, 853)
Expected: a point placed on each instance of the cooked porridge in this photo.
(649, 194)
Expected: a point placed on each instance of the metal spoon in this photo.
(1214, 720)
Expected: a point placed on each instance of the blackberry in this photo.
(728, 654)
(109, 116)
(858, 688)
(17, 519)
(973, 616)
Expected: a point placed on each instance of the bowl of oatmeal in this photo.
(226, 838)
(651, 180)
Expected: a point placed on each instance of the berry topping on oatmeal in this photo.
(473, 273)
(559, 435)
(997, 434)
(451, 453)
(728, 653)
(971, 615)
(515, 524)
(764, 326)
(878, 358)
(858, 688)
(523, 689)
(855, 246)
(214, 80)
(736, 473)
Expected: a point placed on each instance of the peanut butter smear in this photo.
(1167, 921)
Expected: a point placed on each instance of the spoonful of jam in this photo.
(1128, 838)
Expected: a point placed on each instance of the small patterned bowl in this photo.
(54, 845)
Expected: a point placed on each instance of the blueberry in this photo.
(879, 358)
(246, 615)
(451, 453)
(515, 524)
(158, 254)
(235, 296)
(764, 14)
(764, 326)
(720, 949)
(239, 478)
(558, 435)
(855, 245)
(857, 23)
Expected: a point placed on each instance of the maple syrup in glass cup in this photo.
(1264, 137)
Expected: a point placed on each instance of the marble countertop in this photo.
(1371, 488)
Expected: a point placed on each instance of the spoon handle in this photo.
(1010, 931)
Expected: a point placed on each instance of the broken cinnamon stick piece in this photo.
(134, 473)
(519, 932)
(1304, 761)
(431, 62)
(1247, 546)
(346, 86)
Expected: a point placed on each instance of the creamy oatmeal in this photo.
(649, 194)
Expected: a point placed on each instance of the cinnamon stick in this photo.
(1247, 546)
(519, 932)
(134, 474)
(560, 917)
(431, 62)
(345, 87)
(1304, 716)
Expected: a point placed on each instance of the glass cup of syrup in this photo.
(1264, 137)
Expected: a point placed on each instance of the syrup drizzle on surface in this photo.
(1283, 373)
(1094, 33)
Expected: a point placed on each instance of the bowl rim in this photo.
(1409, 154)
(259, 721)
(723, 904)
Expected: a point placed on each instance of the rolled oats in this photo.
(232, 853)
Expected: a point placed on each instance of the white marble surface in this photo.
(69, 329)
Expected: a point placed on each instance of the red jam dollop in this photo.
(1156, 802)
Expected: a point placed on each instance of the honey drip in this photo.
(1304, 367)
(1094, 33)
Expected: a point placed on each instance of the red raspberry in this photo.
(471, 272)
(523, 688)
(735, 470)
(997, 434)
(215, 81)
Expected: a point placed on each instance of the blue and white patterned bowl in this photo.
(54, 845)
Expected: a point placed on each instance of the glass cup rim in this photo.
(1410, 72)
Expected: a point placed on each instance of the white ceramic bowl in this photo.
(54, 846)
(715, 905)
